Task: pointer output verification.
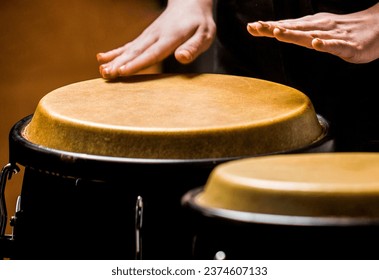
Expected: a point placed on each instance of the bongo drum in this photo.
(294, 206)
(107, 162)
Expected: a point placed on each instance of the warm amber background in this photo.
(45, 44)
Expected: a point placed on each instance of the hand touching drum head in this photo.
(185, 28)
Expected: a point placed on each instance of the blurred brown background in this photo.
(46, 44)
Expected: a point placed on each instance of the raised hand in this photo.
(352, 37)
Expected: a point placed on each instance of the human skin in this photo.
(352, 37)
(185, 28)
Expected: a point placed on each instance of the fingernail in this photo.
(251, 26)
(123, 70)
(105, 70)
(186, 55)
(99, 56)
(264, 24)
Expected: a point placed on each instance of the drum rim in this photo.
(26, 153)
(188, 201)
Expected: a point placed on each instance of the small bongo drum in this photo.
(107, 162)
(303, 206)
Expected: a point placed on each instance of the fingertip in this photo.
(102, 70)
(252, 28)
(184, 56)
(106, 72)
(100, 57)
(126, 70)
(260, 28)
(121, 71)
(265, 24)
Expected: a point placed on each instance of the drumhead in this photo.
(169, 116)
(328, 187)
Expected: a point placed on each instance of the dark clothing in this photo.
(342, 92)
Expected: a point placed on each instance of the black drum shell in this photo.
(253, 236)
(80, 206)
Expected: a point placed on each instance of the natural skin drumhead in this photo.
(319, 184)
(167, 116)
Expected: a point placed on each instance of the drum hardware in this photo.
(7, 242)
(77, 181)
(138, 227)
(6, 174)
(220, 255)
(188, 201)
(13, 219)
(138, 220)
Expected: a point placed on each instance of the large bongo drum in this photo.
(294, 206)
(107, 162)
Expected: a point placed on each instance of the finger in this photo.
(151, 56)
(260, 29)
(319, 21)
(108, 56)
(124, 55)
(110, 70)
(194, 46)
(107, 71)
(338, 48)
(294, 37)
(114, 59)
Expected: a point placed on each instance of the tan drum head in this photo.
(322, 184)
(175, 117)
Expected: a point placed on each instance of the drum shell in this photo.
(77, 206)
(251, 236)
(64, 219)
